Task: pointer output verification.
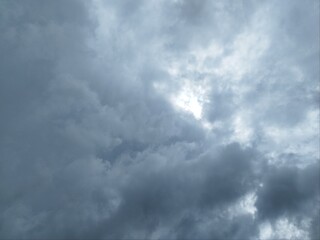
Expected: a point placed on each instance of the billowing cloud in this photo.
(159, 119)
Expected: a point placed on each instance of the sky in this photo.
(159, 119)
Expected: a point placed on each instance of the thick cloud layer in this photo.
(159, 119)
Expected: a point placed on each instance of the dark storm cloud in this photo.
(158, 195)
(190, 227)
(91, 147)
(288, 191)
(293, 193)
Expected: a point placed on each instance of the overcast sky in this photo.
(159, 119)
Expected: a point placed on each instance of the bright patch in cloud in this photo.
(190, 99)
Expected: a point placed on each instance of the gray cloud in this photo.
(98, 138)
(288, 191)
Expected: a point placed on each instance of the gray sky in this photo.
(158, 119)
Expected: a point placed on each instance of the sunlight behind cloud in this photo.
(190, 99)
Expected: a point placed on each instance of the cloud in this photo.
(288, 190)
(166, 190)
(97, 140)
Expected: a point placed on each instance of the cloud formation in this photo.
(159, 119)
